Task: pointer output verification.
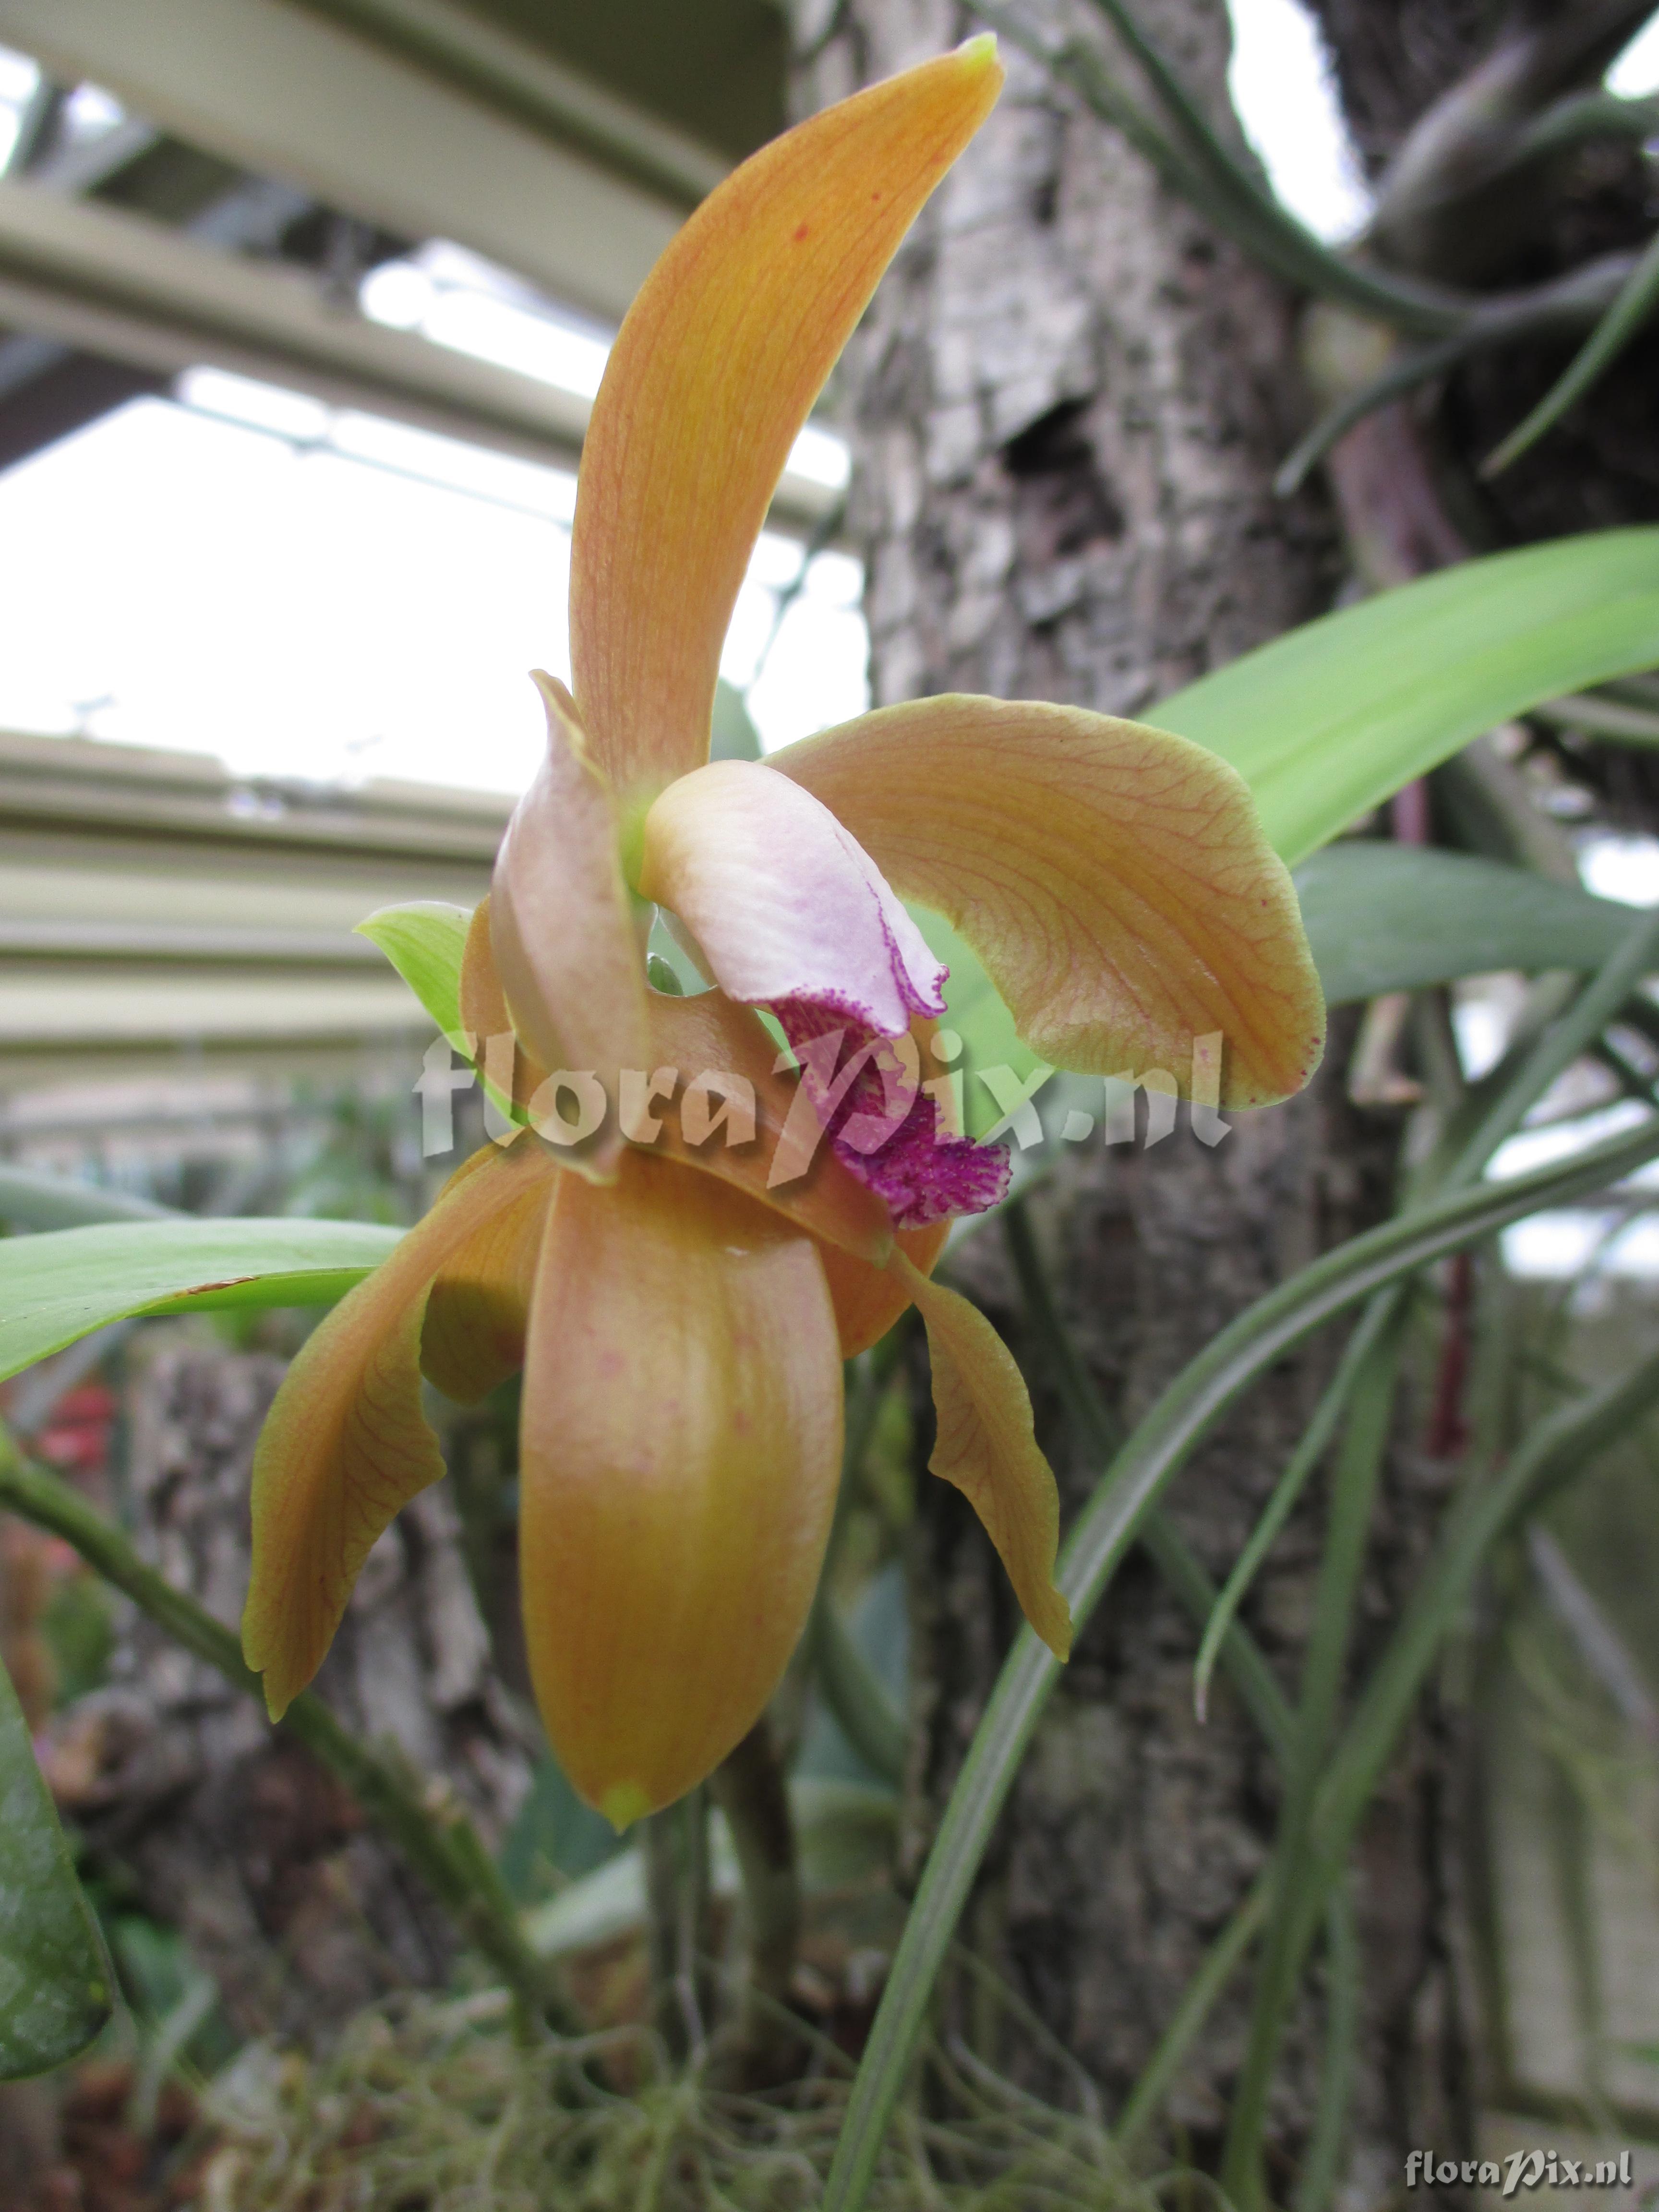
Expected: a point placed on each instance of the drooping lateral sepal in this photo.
(346, 1444)
(986, 1446)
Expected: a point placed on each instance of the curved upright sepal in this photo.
(713, 372)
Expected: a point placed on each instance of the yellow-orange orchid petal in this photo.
(484, 1014)
(482, 1001)
(1115, 881)
(869, 1300)
(986, 1448)
(570, 964)
(780, 901)
(679, 1456)
(345, 1443)
(712, 374)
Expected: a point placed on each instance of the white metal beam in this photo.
(476, 57)
(277, 89)
(119, 285)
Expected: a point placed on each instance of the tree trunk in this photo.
(1068, 403)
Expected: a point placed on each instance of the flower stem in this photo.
(677, 1900)
(750, 1788)
(424, 1819)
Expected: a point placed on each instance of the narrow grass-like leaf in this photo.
(1262, 224)
(1593, 714)
(1328, 1415)
(1408, 367)
(1372, 1385)
(1198, 2000)
(1553, 1052)
(1197, 165)
(1636, 302)
(1330, 720)
(1558, 1448)
(1321, 2162)
(1185, 1414)
(54, 1989)
(1101, 1437)
(1353, 1494)
(61, 1285)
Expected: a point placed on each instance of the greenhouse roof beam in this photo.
(281, 90)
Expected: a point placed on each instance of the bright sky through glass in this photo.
(18, 78)
(310, 591)
(315, 593)
(1635, 72)
(1282, 87)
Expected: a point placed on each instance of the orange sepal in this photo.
(345, 1443)
(986, 1446)
(712, 374)
(1115, 881)
(679, 1457)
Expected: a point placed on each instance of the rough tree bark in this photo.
(1066, 404)
(227, 1830)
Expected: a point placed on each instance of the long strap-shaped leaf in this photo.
(64, 1283)
(1185, 1414)
(1329, 720)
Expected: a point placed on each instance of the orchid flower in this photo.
(680, 1308)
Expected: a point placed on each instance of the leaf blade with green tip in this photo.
(424, 942)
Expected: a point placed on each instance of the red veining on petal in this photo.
(881, 1124)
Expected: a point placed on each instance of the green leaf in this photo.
(1326, 723)
(54, 1988)
(1383, 917)
(424, 942)
(60, 1285)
